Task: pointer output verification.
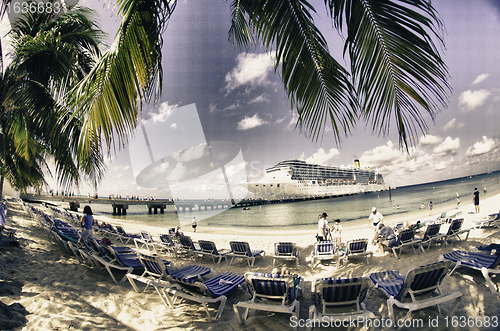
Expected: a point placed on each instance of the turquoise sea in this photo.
(403, 202)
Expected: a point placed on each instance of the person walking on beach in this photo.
(194, 224)
(323, 227)
(375, 220)
(458, 200)
(475, 199)
(87, 222)
(430, 208)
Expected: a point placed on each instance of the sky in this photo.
(240, 99)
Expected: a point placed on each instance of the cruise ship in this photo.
(296, 178)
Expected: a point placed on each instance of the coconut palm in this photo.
(51, 52)
(396, 73)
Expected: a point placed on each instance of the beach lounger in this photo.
(208, 292)
(453, 233)
(430, 234)
(270, 292)
(486, 263)
(324, 251)
(405, 238)
(189, 247)
(171, 247)
(209, 248)
(492, 221)
(286, 251)
(129, 259)
(125, 236)
(447, 218)
(417, 290)
(357, 248)
(241, 249)
(339, 299)
(146, 236)
(157, 269)
(488, 249)
(141, 244)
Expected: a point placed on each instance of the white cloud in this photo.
(480, 78)
(260, 98)
(441, 165)
(448, 147)
(250, 122)
(251, 69)
(452, 124)
(382, 156)
(321, 157)
(480, 147)
(429, 140)
(470, 100)
(163, 112)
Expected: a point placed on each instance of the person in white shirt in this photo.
(375, 220)
(194, 224)
(323, 227)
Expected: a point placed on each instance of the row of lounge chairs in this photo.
(418, 289)
(432, 235)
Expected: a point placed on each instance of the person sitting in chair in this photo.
(386, 237)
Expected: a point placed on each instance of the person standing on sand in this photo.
(194, 224)
(337, 233)
(430, 208)
(458, 200)
(87, 222)
(323, 227)
(375, 218)
(475, 199)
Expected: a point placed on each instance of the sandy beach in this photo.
(42, 287)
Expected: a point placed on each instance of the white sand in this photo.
(52, 291)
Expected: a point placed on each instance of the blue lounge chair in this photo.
(270, 292)
(189, 247)
(126, 236)
(453, 233)
(405, 238)
(339, 299)
(356, 248)
(478, 261)
(324, 251)
(210, 291)
(156, 268)
(492, 221)
(417, 290)
(171, 247)
(431, 233)
(241, 249)
(208, 248)
(286, 251)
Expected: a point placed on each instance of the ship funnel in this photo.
(356, 164)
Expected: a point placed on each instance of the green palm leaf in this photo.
(318, 86)
(395, 63)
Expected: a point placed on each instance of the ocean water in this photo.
(353, 211)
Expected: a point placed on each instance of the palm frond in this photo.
(317, 85)
(109, 98)
(396, 66)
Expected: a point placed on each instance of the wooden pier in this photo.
(120, 206)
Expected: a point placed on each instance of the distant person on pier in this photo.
(323, 227)
(87, 224)
(475, 199)
(194, 224)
